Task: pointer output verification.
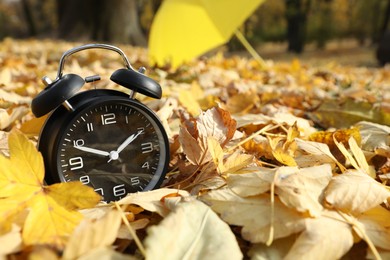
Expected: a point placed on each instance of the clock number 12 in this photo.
(108, 119)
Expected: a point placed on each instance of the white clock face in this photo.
(114, 147)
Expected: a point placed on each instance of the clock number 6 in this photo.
(119, 190)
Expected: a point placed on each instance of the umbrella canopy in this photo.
(184, 29)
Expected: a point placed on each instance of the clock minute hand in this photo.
(92, 150)
(129, 139)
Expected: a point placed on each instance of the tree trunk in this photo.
(32, 31)
(123, 22)
(113, 21)
(296, 15)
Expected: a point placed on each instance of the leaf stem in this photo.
(362, 233)
(131, 230)
(262, 130)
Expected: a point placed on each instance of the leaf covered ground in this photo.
(287, 161)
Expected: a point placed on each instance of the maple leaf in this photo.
(51, 209)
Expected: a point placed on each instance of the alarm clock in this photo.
(104, 138)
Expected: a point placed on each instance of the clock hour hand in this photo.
(92, 150)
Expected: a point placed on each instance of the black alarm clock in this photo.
(103, 138)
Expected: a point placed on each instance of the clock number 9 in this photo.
(76, 162)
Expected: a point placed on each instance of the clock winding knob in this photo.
(46, 81)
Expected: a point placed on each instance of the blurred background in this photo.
(313, 30)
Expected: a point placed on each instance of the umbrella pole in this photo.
(249, 48)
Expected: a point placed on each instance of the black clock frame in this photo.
(62, 99)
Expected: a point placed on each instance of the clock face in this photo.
(115, 147)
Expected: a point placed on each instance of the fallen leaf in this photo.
(21, 179)
(333, 113)
(91, 235)
(276, 251)
(106, 254)
(300, 189)
(313, 153)
(376, 225)
(374, 136)
(254, 215)
(303, 189)
(355, 192)
(10, 242)
(200, 232)
(327, 237)
(151, 200)
(251, 181)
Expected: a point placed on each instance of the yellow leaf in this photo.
(237, 161)
(280, 153)
(77, 197)
(241, 103)
(216, 152)
(189, 99)
(33, 126)
(48, 220)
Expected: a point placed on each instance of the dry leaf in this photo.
(327, 237)
(216, 123)
(303, 189)
(355, 192)
(374, 136)
(106, 254)
(90, 235)
(191, 231)
(11, 242)
(300, 189)
(152, 200)
(254, 214)
(251, 181)
(376, 225)
(313, 153)
(276, 251)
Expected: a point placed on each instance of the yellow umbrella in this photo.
(184, 29)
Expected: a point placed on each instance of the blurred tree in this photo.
(114, 21)
(296, 16)
(32, 31)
